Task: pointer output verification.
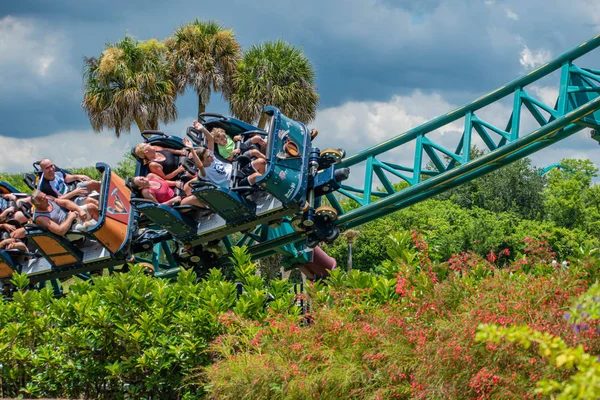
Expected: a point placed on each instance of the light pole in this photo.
(350, 236)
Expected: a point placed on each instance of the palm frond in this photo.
(278, 74)
(203, 55)
(130, 81)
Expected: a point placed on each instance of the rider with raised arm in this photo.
(225, 145)
(220, 172)
(57, 215)
(56, 184)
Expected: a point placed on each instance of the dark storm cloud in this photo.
(361, 50)
(87, 10)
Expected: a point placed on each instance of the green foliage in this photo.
(16, 181)
(570, 200)
(126, 167)
(126, 335)
(582, 384)
(277, 74)
(586, 308)
(130, 82)
(450, 230)
(516, 188)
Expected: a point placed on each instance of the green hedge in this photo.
(451, 229)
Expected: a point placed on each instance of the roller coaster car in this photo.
(280, 192)
(104, 245)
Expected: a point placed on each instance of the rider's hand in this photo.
(188, 143)
(8, 227)
(6, 242)
(235, 152)
(237, 138)
(82, 214)
(79, 192)
(17, 246)
(18, 233)
(198, 125)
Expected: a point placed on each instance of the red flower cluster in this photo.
(538, 250)
(465, 261)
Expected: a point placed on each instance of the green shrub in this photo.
(450, 229)
(125, 335)
(398, 334)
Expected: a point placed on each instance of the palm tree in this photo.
(203, 55)
(130, 82)
(277, 74)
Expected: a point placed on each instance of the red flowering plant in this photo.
(499, 258)
(575, 354)
(409, 264)
(537, 257)
(471, 266)
(452, 366)
(344, 352)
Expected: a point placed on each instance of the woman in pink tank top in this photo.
(161, 190)
(155, 188)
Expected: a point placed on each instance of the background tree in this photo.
(278, 74)
(570, 199)
(128, 83)
(203, 55)
(516, 188)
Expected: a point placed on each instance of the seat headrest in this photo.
(138, 159)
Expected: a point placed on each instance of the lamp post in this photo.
(350, 236)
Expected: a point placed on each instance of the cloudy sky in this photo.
(383, 66)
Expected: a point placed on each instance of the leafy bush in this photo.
(584, 381)
(125, 335)
(399, 334)
(450, 229)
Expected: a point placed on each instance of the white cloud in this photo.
(361, 124)
(32, 55)
(530, 59)
(356, 126)
(588, 11)
(70, 149)
(67, 149)
(510, 14)
(547, 94)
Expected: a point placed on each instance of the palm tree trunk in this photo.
(201, 107)
(263, 120)
(140, 124)
(153, 123)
